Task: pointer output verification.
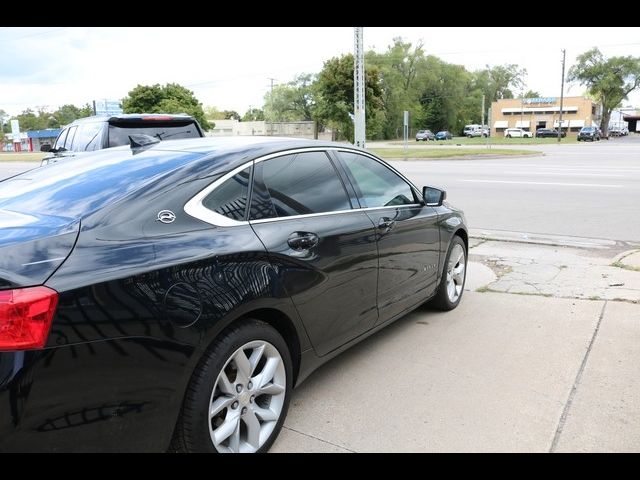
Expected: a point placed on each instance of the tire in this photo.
(240, 402)
(508, 136)
(443, 299)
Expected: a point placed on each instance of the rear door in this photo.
(407, 233)
(323, 250)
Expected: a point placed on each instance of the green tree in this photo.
(403, 73)
(253, 115)
(609, 80)
(212, 113)
(231, 115)
(293, 101)
(30, 120)
(445, 97)
(67, 114)
(532, 94)
(334, 97)
(170, 98)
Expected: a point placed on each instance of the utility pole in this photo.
(358, 89)
(564, 53)
(482, 122)
(271, 101)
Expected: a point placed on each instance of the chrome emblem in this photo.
(166, 216)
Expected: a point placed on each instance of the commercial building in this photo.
(531, 114)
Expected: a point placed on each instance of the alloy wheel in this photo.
(247, 398)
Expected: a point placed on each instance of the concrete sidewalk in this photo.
(496, 374)
(541, 355)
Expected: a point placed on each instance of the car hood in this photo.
(33, 246)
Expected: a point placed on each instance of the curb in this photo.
(543, 239)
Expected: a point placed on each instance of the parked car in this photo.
(516, 133)
(470, 128)
(425, 135)
(444, 135)
(174, 293)
(478, 132)
(588, 133)
(98, 132)
(549, 133)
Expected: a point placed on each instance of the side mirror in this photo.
(433, 197)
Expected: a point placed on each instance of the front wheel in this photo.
(239, 394)
(451, 285)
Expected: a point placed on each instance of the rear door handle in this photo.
(302, 240)
(386, 223)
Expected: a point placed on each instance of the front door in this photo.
(322, 249)
(406, 230)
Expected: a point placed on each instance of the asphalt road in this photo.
(585, 189)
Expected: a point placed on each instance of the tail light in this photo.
(25, 317)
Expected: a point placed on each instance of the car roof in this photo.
(91, 181)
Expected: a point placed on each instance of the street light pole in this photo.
(358, 89)
(561, 96)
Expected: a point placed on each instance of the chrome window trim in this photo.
(196, 209)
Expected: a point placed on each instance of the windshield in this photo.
(119, 133)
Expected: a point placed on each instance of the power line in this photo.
(37, 33)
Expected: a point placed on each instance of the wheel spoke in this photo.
(225, 385)
(230, 424)
(253, 428)
(220, 404)
(234, 439)
(270, 389)
(265, 414)
(268, 371)
(243, 365)
(451, 291)
(255, 357)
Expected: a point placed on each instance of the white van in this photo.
(470, 128)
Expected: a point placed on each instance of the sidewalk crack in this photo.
(572, 393)
(319, 439)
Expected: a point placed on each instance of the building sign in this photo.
(537, 101)
(108, 107)
(15, 130)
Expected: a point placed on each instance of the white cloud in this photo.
(230, 67)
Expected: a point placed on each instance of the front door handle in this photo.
(302, 240)
(386, 223)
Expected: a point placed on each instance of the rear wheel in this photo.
(238, 396)
(454, 275)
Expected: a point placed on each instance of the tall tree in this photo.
(170, 98)
(609, 80)
(231, 115)
(532, 94)
(212, 113)
(403, 73)
(292, 101)
(253, 115)
(334, 88)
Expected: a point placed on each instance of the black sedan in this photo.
(169, 296)
(549, 133)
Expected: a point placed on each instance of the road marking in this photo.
(546, 183)
(516, 172)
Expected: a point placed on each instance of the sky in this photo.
(231, 67)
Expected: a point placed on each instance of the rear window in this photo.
(119, 132)
(74, 187)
